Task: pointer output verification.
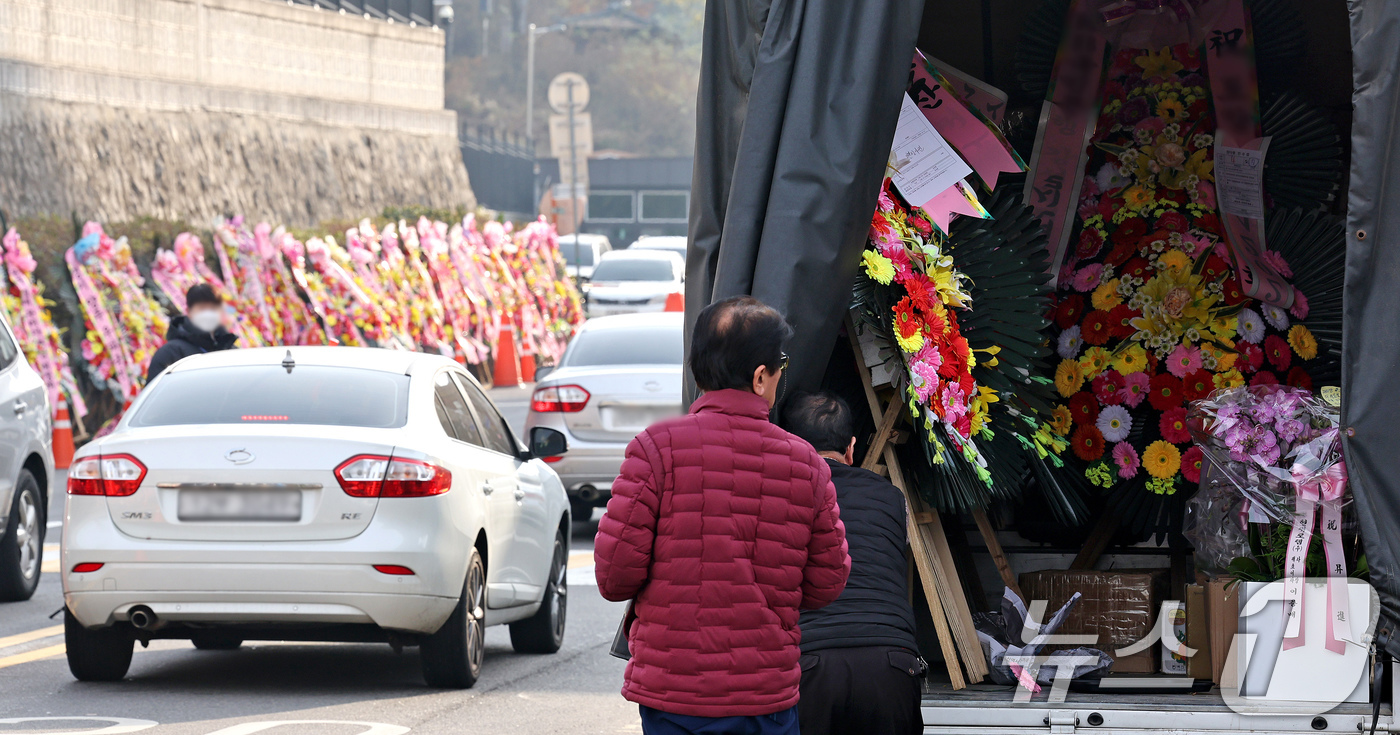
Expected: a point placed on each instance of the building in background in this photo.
(632, 197)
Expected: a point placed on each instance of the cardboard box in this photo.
(1223, 613)
(1199, 666)
(1118, 608)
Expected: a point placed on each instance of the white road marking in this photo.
(55, 524)
(583, 577)
(374, 728)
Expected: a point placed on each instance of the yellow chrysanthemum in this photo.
(1069, 377)
(911, 344)
(1302, 341)
(1131, 360)
(1094, 361)
(1106, 296)
(1161, 459)
(1061, 420)
(1175, 261)
(1228, 379)
(878, 267)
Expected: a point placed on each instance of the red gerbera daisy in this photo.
(1108, 386)
(1121, 254)
(1129, 232)
(1191, 461)
(1090, 243)
(1197, 385)
(1173, 425)
(1088, 442)
(1209, 223)
(1070, 311)
(922, 293)
(1165, 392)
(1251, 357)
(1299, 378)
(1084, 408)
(1120, 321)
(1277, 350)
(1138, 268)
(904, 320)
(1264, 377)
(1172, 222)
(1097, 328)
(1232, 293)
(1215, 267)
(968, 385)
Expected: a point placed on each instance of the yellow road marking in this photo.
(50, 566)
(32, 635)
(579, 559)
(35, 655)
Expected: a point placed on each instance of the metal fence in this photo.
(501, 167)
(400, 11)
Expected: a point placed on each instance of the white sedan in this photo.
(634, 281)
(319, 494)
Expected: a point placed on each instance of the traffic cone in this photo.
(507, 358)
(675, 301)
(527, 368)
(62, 439)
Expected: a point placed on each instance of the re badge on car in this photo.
(239, 456)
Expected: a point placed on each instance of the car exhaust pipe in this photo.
(143, 618)
(588, 493)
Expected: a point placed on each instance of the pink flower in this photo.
(1108, 387)
(1127, 460)
(1135, 387)
(1205, 194)
(1087, 278)
(1275, 260)
(954, 402)
(1196, 244)
(1300, 305)
(1184, 360)
(886, 203)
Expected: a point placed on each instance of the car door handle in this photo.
(20, 407)
(487, 488)
(519, 493)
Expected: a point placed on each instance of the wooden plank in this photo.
(882, 435)
(1098, 540)
(989, 537)
(950, 588)
(924, 560)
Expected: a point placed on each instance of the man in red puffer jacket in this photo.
(722, 527)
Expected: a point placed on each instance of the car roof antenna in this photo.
(288, 362)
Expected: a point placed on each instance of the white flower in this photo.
(1115, 423)
(1276, 317)
(1251, 326)
(1070, 342)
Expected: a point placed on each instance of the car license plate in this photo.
(239, 505)
(635, 417)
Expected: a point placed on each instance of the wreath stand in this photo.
(952, 617)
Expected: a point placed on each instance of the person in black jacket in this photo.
(200, 330)
(860, 667)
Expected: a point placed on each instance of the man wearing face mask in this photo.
(200, 330)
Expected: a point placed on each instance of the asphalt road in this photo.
(318, 689)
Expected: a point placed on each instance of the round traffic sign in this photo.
(559, 92)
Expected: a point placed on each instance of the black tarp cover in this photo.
(796, 113)
(1370, 339)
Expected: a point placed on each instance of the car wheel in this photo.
(22, 546)
(100, 654)
(452, 656)
(215, 642)
(544, 631)
(580, 510)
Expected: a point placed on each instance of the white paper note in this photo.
(1239, 179)
(922, 163)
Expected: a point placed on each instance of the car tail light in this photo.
(375, 476)
(394, 569)
(113, 475)
(87, 566)
(559, 399)
(555, 458)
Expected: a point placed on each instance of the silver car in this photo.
(634, 281)
(26, 464)
(619, 375)
(582, 252)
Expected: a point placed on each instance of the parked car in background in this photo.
(582, 252)
(670, 243)
(26, 464)
(619, 375)
(632, 281)
(317, 494)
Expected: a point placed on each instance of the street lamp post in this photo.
(531, 34)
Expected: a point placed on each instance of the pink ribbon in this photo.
(112, 342)
(974, 137)
(1324, 490)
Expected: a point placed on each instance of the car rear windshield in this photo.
(583, 253)
(633, 269)
(636, 346)
(268, 394)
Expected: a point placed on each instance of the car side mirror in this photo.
(543, 371)
(547, 442)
